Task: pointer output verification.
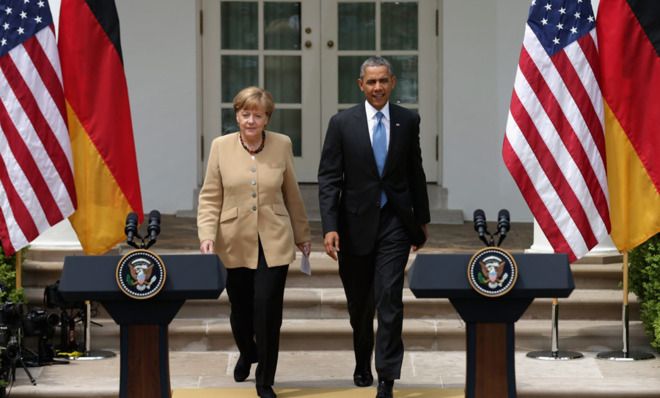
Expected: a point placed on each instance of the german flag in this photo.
(99, 120)
(629, 42)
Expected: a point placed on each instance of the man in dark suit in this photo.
(372, 195)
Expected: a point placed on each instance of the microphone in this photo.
(153, 228)
(503, 225)
(131, 229)
(480, 226)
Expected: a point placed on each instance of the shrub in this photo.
(8, 291)
(644, 277)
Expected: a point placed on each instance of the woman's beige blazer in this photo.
(246, 197)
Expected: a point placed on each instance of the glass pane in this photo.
(282, 26)
(288, 121)
(238, 72)
(239, 25)
(229, 124)
(349, 72)
(282, 77)
(401, 22)
(357, 26)
(405, 69)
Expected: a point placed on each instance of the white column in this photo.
(61, 236)
(542, 245)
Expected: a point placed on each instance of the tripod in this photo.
(14, 354)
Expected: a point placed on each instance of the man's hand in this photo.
(206, 247)
(331, 242)
(426, 236)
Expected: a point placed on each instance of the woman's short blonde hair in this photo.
(254, 98)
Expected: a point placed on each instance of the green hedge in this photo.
(644, 277)
(8, 291)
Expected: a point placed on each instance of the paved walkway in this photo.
(583, 378)
(587, 377)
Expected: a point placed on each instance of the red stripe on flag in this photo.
(592, 120)
(30, 169)
(534, 201)
(48, 74)
(40, 124)
(581, 97)
(568, 137)
(21, 214)
(552, 170)
(5, 240)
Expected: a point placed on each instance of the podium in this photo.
(490, 332)
(144, 371)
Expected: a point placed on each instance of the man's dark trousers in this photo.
(374, 282)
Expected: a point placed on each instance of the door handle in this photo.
(330, 43)
(308, 44)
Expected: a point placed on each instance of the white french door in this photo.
(308, 54)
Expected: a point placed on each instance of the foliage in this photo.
(8, 291)
(644, 277)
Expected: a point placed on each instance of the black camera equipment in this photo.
(71, 314)
(41, 324)
(480, 225)
(11, 340)
(131, 230)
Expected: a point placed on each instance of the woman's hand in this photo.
(305, 247)
(206, 247)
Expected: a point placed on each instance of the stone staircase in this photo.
(315, 316)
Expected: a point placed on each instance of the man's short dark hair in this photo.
(375, 61)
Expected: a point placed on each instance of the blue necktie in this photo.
(380, 150)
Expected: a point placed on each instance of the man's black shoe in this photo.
(242, 369)
(266, 392)
(385, 388)
(363, 379)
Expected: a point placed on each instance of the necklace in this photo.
(259, 149)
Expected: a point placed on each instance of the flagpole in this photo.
(625, 354)
(19, 270)
(555, 354)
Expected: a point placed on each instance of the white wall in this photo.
(481, 41)
(160, 62)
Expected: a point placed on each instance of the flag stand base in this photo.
(555, 355)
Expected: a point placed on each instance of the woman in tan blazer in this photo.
(252, 215)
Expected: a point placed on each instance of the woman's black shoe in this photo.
(363, 379)
(242, 369)
(266, 392)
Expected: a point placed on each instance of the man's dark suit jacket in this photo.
(349, 184)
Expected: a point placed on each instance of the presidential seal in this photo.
(492, 272)
(141, 274)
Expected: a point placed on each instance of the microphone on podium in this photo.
(131, 229)
(503, 225)
(153, 228)
(479, 219)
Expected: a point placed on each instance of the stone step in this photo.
(39, 273)
(330, 303)
(418, 335)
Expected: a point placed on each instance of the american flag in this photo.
(554, 145)
(36, 179)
